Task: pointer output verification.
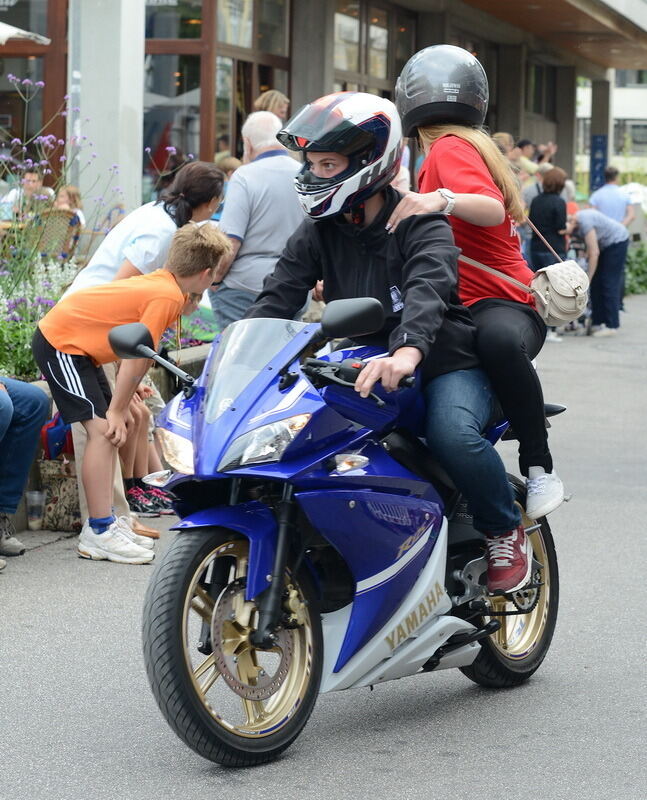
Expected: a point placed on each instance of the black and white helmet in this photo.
(441, 84)
(364, 128)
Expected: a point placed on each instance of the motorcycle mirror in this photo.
(133, 340)
(357, 316)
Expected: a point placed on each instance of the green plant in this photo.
(636, 279)
(32, 297)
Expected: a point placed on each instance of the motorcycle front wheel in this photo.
(513, 653)
(230, 702)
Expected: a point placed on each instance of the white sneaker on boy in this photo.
(112, 545)
(143, 541)
(545, 492)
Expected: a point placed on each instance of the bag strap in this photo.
(529, 221)
(496, 272)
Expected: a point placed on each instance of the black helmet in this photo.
(441, 84)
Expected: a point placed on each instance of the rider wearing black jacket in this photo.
(418, 261)
(352, 143)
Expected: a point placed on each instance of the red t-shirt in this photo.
(455, 164)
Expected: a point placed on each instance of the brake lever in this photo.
(326, 373)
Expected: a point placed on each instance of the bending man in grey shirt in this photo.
(261, 212)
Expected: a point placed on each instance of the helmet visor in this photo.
(323, 128)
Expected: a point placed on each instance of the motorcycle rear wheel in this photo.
(511, 655)
(231, 703)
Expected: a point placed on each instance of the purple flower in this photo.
(60, 141)
(44, 162)
(62, 158)
(12, 78)
(147, 150)
(171, 151)
(16, 141)
(76, 109)
(94, 155)
(27, 82)
(66, 97)
(190, 156)
(64, 113)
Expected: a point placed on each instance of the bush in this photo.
(636, 282)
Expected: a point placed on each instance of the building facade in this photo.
(147, 75)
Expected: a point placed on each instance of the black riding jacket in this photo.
(412, 272)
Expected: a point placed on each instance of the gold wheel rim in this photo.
(244, 717)
(519, 635)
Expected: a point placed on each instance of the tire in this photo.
(195, 592)
(511, 655)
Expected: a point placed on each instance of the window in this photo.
(540, 89)
(30, 15)
(235, 22)
(13, 121)
(631, 77)
(206, 63)
(347, 36)
(372, 44)
(171, 113)
(378, 42)
(272, 28)
(181, 19)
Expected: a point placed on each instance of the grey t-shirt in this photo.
(262, 210)
(607, 230)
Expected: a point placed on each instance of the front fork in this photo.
(269, 604)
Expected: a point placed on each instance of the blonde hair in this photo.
(73, 194)
(270, 101)
(195, 248)
(229, 164)
(497, 164)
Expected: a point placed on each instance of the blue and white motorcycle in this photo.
(319, 546)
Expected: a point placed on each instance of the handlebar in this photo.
(345, 373)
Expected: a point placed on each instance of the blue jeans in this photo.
(23, 411)
(607, 285)
(460, 405)
(230, 305)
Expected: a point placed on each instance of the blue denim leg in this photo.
(23, 410)
(459, 407)
(230, 305)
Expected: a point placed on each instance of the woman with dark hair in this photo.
(548, 214)
(140, 242)
(442, 96)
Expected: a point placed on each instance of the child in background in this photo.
(68, 198)
(71, 344)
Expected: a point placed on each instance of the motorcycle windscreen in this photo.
(246, 347)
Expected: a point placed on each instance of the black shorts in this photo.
(79, 388)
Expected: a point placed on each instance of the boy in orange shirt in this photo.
(71, 344)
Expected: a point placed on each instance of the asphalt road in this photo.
(77, 719)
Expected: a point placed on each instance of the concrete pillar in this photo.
(106, 83)
(601, 131)
(511, 90)
(565, 112)
(313, 51)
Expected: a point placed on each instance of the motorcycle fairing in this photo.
(406, 640)
(385, 539)
(255, 521)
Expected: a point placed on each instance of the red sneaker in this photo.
(509, 561)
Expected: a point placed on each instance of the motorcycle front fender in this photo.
(254, 521)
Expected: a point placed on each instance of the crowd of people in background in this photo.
(253, 202)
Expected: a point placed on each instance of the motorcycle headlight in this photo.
(177, 451)
(263, 445)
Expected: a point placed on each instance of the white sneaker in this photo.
(142, 541)
(604, 331)
(113, 545)
(552, 336)
(544, 494)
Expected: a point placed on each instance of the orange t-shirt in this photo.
(79, 324)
